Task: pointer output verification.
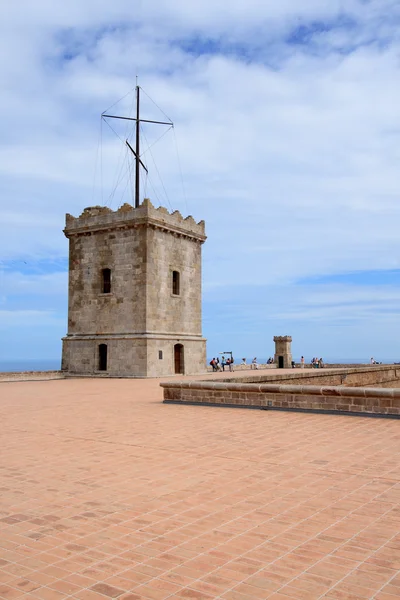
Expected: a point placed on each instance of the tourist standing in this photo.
(254, 364)
(223, 363)
(302, 362)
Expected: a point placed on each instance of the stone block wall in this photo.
(30, 376)
(166, 312)
(142, 314)
(340, 400)
(194, 356)
(132, 357)
(78, 356)
(373, 375)
(123, 356)
(90, 311)
(239, 367)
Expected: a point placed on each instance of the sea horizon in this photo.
(329, 360)
(54, 364)
(30, 364)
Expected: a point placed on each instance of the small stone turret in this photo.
(283, 351)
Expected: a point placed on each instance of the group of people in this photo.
(217, 365)
(375, 362)
(220, 366)
(317, 363)
(254, 363)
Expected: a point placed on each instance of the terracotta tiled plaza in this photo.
(108, 493)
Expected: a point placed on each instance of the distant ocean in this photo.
(37, 364)
(54, 364)
(333, 361)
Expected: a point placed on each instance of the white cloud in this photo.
(10, 319)
(337, 321)
(52, 284)
(289, 151)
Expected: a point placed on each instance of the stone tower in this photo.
(134, 301)
(283, 351)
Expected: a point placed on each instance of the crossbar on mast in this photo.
(136, 152)
(141, 120)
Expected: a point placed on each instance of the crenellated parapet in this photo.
(101, 218)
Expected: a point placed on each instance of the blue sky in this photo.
(288, 134)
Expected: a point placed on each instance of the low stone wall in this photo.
(262, 366)
(30, 376)
(366, 376)
(344, 365)
(241, 367)
(305, 398)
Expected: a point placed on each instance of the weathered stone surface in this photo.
(140, 319)
(283, 349)
(368, 400)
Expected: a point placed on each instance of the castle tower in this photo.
(134, 301)
(283, 351)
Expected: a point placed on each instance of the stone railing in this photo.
(241, 367)
(360, 376)
(338, 399)
(30, 375)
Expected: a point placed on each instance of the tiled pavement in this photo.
(105, 492)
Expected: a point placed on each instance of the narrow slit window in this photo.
(176, 283)
(160, 355)
(106, 281)
(103, 357)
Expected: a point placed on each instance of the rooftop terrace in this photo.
(106, 492)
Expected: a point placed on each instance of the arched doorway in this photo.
(179, 359)
(103, 357)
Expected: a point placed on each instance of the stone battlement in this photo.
(102, 218)
(282, 338)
